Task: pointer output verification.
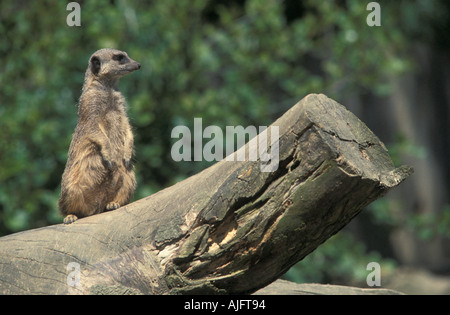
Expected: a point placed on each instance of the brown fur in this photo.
(99, 175)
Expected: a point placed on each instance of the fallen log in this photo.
(231, 229)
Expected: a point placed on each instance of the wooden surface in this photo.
(283, 287)
(229, 229)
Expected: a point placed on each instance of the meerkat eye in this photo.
(119, 57)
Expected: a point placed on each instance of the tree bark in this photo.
(229, 229)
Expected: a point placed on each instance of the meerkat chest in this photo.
(114, 122)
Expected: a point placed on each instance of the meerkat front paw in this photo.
(112, 206)
(109, 164)
(127, 163)
(70, 219)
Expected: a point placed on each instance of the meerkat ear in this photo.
(95, 65)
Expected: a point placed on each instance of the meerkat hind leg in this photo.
(70, 219)
(112, 206)
(123, 195)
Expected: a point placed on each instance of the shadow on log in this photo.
(230, 229)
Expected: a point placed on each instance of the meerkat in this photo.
(99, 174)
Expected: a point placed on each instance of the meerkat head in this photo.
(108, 65)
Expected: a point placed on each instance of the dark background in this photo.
(241, 62)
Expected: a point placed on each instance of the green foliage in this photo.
(404, 147)
(425, 226)
(340, 260)
(229, 62)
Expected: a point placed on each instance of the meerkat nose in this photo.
(138, 66)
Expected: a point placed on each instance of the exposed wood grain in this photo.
(229, 229)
